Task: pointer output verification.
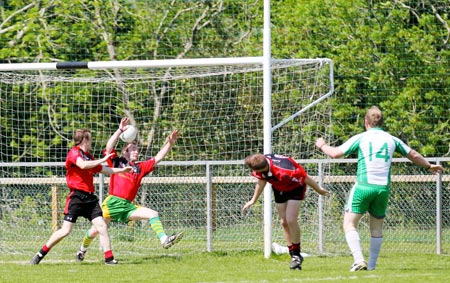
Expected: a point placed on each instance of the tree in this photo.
(393, 54)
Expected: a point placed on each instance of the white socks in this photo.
(375, 247)
(354, 243)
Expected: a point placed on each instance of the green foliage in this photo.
(25, 210)
(390, 53)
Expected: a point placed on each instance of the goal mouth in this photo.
(216, 104)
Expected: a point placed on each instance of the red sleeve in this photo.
(96, 169)
(257, 175)
(110, 159)
(147, 166)
(300, 173)
(72, 158)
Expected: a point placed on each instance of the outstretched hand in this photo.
(124, 123)
(127, 169)
(247, 205)
(323, 192)
(436, 168)
(319, 143)
(172, 138)
(107, 156)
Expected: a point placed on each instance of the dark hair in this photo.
(80, 135)
(374, 117)
(256, 161)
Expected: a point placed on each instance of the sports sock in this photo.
(375, 247)
(44, 250)
(157, 227)
(291, 249)
(86, 241)
(108, 255)
(354, 243)
(296, 249)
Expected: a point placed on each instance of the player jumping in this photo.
(118, 204)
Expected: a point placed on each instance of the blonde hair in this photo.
(374, 117)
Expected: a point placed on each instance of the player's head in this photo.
(131, 151)
(82, 137)
(374, 117)
(257, 162)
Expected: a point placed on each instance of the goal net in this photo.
(202, 184)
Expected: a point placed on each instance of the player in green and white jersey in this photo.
(370, 193)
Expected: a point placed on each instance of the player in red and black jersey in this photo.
(119, 206)
(81, 201)
(289, 181)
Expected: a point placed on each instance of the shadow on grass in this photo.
(164, 258)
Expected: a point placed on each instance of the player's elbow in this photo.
(82, 165)
(412, 155)
(335, 154)
(107, 170)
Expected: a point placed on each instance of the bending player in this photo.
(118, 205)
(289, 180)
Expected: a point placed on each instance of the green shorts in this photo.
(368, 198)
(118, 209)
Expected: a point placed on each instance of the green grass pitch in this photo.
(250, 266)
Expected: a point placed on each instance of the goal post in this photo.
(216, 103)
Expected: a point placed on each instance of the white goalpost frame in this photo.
(267, 125)
(266, 61)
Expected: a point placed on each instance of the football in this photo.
(129, 134)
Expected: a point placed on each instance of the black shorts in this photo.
(295, 194)
(81, 203)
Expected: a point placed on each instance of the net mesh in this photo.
(218, 110)
(219, 113)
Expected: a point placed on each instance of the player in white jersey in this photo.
(371, 191)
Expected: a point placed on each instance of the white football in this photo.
(129, 134)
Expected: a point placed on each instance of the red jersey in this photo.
(126, 185)
(284, 173)
(77, 178)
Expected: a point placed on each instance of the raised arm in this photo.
(111, 144)
(331, 151)
(170, 141)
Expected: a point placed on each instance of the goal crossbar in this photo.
(99, 65)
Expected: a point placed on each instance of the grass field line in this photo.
(330, 279)
(27, 262)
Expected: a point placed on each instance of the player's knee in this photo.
(146, 212)
(93, 233)
(102, 229)
(376, 233)
(64, 232)
(99, 225)
(290, 221)
(284, 223)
